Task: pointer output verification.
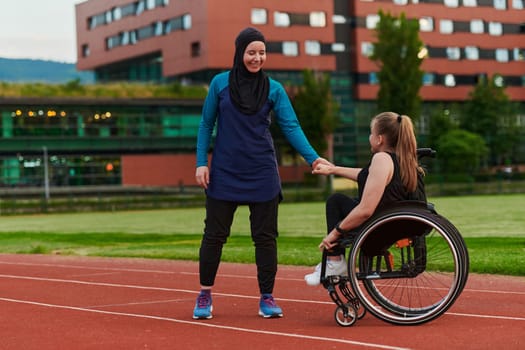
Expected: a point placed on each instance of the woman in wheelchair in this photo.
(392, 175)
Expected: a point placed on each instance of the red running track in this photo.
(56, 302)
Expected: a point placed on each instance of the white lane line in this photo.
(96, 274)
(131, 286)
(508, 318)
(150, 302)
(504, 292)
(82, 267)
(204, 324)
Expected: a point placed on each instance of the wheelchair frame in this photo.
(406, 265)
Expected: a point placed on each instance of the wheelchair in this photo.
(406, 265)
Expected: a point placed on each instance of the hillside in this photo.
(27, 70)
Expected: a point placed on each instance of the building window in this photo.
(339, 19)
(140, 7)
(145, 32)
(428, 79)
(124, 38)
(109, 43)
(498, 80)
(367, 48)
(372, 78)
(290, 48)
(128, 10)
(150, 4)
(96, 21)
(400, 2)
(470, 3)
(451, 3)
(446, 26)
(500, 4)
(281, 19)
(195, 49)
(371, 21)
(502, 55)
(178, 23)
(108, 15)
(517, 4)
(167, 27)
(317, 19)
(312, 47)
(338, 47)
(259, 16)
(117, 13)
(476, 26)
(472, 53)
(85, 50)
(426, 24)
(186, 22)
(158, 28)
(453, 53)
(133, 37)
(495, 28)
(450, 80)
(517, 54)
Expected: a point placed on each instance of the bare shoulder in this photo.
(381, 157)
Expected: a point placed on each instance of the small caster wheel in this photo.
(345, 316)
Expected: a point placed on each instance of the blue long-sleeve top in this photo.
(244, 165)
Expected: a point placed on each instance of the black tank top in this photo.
(395, 190)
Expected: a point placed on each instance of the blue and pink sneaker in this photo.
(203, 307)
(268, 307)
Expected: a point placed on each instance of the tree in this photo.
(489, 113)
(316, 109)
(398, 53)
(460, 151)
(442, 120)
(318, 114)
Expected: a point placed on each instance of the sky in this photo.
(38, 29)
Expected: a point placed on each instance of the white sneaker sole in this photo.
(262, 314)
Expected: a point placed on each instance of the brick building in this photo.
(191, 40)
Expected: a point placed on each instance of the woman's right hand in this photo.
(202, 175)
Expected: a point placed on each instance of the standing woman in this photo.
(244, 167)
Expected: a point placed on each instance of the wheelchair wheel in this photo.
(346, 316)
(414, 274)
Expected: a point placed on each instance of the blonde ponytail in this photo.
(399, 132)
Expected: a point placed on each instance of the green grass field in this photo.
(493, 227)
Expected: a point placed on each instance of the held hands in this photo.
(202, 175)
(330, 240)
(322, 166)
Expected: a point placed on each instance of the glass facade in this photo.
(80, 143)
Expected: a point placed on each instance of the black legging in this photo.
(263, 223)
(338, 206)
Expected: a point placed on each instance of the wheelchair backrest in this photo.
(397, 222)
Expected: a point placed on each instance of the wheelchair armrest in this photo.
(348, 238)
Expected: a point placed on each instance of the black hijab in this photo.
(248, 91)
